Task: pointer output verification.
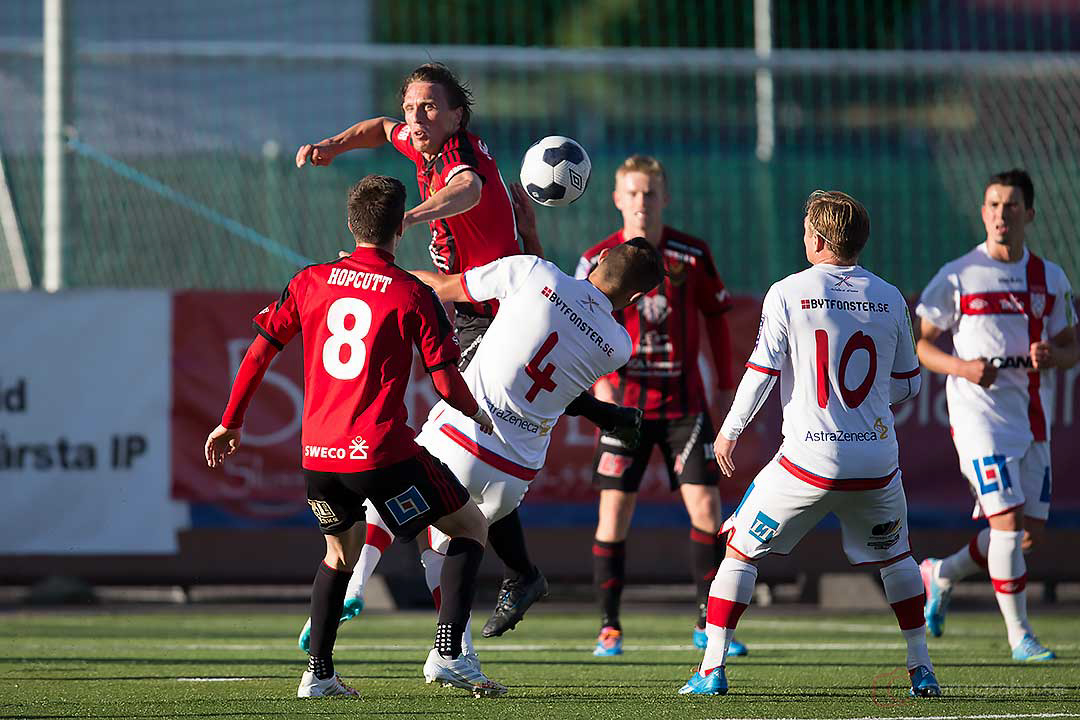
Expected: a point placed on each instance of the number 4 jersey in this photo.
(553, 337)
(839, 338)
(360, 316)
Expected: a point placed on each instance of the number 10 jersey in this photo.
(837, 336)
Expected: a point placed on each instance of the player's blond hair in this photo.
(643, 164)
(840, 220)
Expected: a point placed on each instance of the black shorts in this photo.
(409, 495)
(470, 329)
(686, 444)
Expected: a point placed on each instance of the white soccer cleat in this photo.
(461, 672)
(334, 686)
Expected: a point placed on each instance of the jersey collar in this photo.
(369, 252)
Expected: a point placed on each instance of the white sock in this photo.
(905, 593)
(729, 594)
(1008, 573)
(370, 555)
(961, 564)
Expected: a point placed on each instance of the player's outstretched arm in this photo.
(451, 387)
(460, 194)
(525, 217)
(978, 371)
(449, 288)
(1062, 351)
(364, 134)
(225, 438)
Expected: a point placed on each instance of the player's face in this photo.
(641, 198)
(1005, 214)
(429, 116)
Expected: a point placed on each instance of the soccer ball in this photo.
(555, 171)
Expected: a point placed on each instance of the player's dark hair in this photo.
(1015, 178)
(634, 266)
(458, 92)
(840, 220)
(376, 208)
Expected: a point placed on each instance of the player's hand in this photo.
(220, 443)
(626, 427)
(482, 419)
(1042, 355)
(725, 451)
(318, 154)
(525, 217)
(979, 371)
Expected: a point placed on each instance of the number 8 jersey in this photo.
(360, 318)
(839, 338)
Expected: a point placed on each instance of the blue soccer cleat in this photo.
(937, 598)
(609, 643)
(735, 648)
(713, 683)
(923, 682)
(1031, 650)
(353, 606)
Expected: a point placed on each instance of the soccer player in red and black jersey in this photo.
(360, 317)
(472, 221)
(663, 380)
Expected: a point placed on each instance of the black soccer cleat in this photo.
(515, 597)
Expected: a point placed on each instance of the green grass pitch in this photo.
(237, 663)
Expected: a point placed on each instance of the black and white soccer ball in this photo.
(555, 171)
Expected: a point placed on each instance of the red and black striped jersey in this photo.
(360, 317)
(482, 234)
(662, 376)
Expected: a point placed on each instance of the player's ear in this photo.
(1029, 215)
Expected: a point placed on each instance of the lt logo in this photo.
(764, 528)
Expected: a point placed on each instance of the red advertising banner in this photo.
(211, 332)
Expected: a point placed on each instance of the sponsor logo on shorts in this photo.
(323, 512)
(992, 474)
(764, 528)
(884, 535)
(613, 465)
(407, 505)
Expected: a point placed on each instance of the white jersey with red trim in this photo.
(996, 310)
(552, 339)
(839, 338)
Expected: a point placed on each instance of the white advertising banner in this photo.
(85, 388)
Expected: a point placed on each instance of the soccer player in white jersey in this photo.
(839, 338)
(551, 339)
(1012, 321)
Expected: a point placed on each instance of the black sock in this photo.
(448, 639)
(706, 552)
(609, 576)
(322, 666)
(327, 598)
(458, 581)
(507, 539)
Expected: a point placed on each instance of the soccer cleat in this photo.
(937, 597)
(923, 682)
(712, 683)
(353, 606)
(1031, 650)
(609, 643)
(461, 672)
(334, 686)
(515, 597)
(735, 648)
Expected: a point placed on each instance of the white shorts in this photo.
(497, 493)
(1001, 483)
(778, 509)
